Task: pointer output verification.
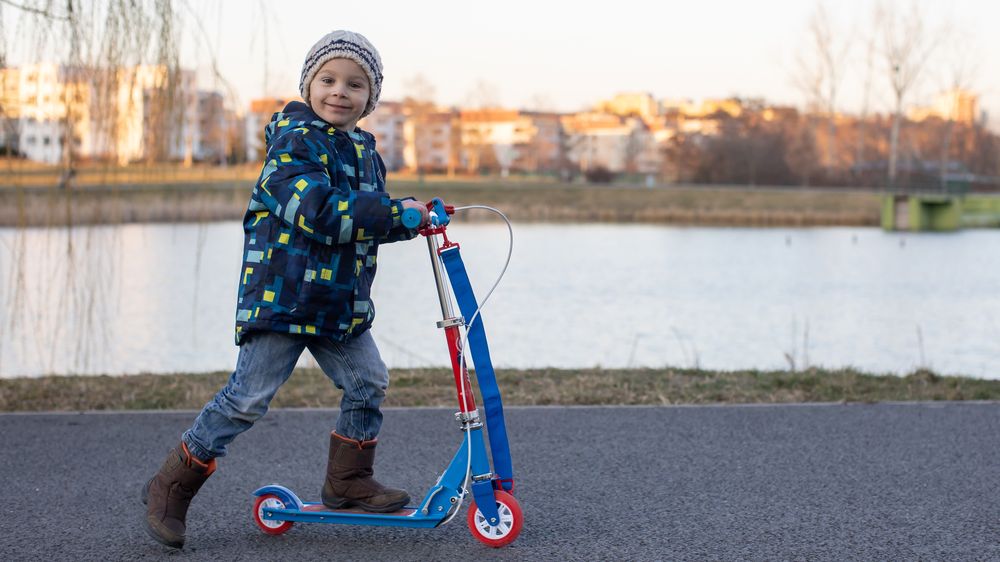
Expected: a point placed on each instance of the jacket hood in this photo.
(297, 114)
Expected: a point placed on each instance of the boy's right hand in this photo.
(422, 207)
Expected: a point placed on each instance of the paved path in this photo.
(861, 482)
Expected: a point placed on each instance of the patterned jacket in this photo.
(311, 232)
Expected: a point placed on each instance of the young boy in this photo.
(316, 218)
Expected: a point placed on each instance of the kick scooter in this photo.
(494, 516)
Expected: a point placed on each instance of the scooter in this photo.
(494, 516)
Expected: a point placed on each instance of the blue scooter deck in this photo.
(319, 513)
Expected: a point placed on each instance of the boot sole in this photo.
(155, 536)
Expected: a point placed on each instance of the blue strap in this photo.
(480, 351)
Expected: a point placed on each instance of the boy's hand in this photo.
(422, 207)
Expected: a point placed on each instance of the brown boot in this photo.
(168, 494)
(349, 479)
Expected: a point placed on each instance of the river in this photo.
(160, 298)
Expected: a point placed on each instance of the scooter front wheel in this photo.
(505, 530)
(269, 526)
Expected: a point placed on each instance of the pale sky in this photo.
(570, 55)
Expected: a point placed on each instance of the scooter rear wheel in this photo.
(506, 530)
(269, 526)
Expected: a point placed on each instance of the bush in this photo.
(599, 174)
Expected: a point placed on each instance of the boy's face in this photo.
(339, 93)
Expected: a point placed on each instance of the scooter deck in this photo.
(408, 516)
(320, 508)
(290, 508)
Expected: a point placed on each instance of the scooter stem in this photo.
(444, 295)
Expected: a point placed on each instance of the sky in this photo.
(567, 56)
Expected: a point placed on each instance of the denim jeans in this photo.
(266, 361)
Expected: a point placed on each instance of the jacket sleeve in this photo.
(297, 188)
(397, 232)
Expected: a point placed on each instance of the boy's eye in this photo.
(355, 84)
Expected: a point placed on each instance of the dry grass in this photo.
(435, 387)
(163, 196)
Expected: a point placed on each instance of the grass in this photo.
(435, 387)
(169, 197)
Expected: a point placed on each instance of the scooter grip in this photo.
(411, 218)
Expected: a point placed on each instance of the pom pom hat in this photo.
(343, 44)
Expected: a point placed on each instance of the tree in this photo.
(906, 47)
(960, 66)
(820, 70)
(866, 95)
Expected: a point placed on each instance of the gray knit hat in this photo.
(343, 44)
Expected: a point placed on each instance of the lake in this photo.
(160, 298)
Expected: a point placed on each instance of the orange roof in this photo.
(488, 115)
(592, 121)
(267, 105)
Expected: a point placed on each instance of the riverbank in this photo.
(309, 388)
(216, 198)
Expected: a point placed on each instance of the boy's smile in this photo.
(339, 93)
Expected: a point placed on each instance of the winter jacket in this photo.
(312, 229)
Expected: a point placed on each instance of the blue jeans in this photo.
(266, 361)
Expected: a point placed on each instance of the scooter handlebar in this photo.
(439, 214)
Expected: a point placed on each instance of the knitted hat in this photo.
(343, 44)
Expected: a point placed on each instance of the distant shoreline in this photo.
(220, 200)
(434, 387)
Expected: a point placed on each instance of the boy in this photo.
(312, 229)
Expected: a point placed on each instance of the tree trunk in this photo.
(894, 145)
(945, 149)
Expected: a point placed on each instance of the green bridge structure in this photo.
(945, 210)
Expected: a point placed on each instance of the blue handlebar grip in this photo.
(411, 218)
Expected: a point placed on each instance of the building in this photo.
(496, 140)
(546, 150)
(44, 106)
(254, 122)
(155, 115)
(211, 137)
(54, 113)
(388, 124)
(616, 144)
(956, 105)
(432, 139)
(634, 104)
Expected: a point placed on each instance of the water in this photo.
(161, 298)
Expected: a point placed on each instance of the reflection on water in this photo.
(161, 298)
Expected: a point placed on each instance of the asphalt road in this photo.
(817, 482)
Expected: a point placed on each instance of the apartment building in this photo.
(44, 107)
(52, 113)
(254, 122)
(432, 140)
(956, 105)
(617, 144)
(388, 124)
(631, 104)
(546, 150)
(495, 140)
(156, 116)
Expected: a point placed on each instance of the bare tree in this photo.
(866, 95)
(96, 47)
(961, 63)
(482, 96)
(906, 47)
(418, 88)
(820, 71)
